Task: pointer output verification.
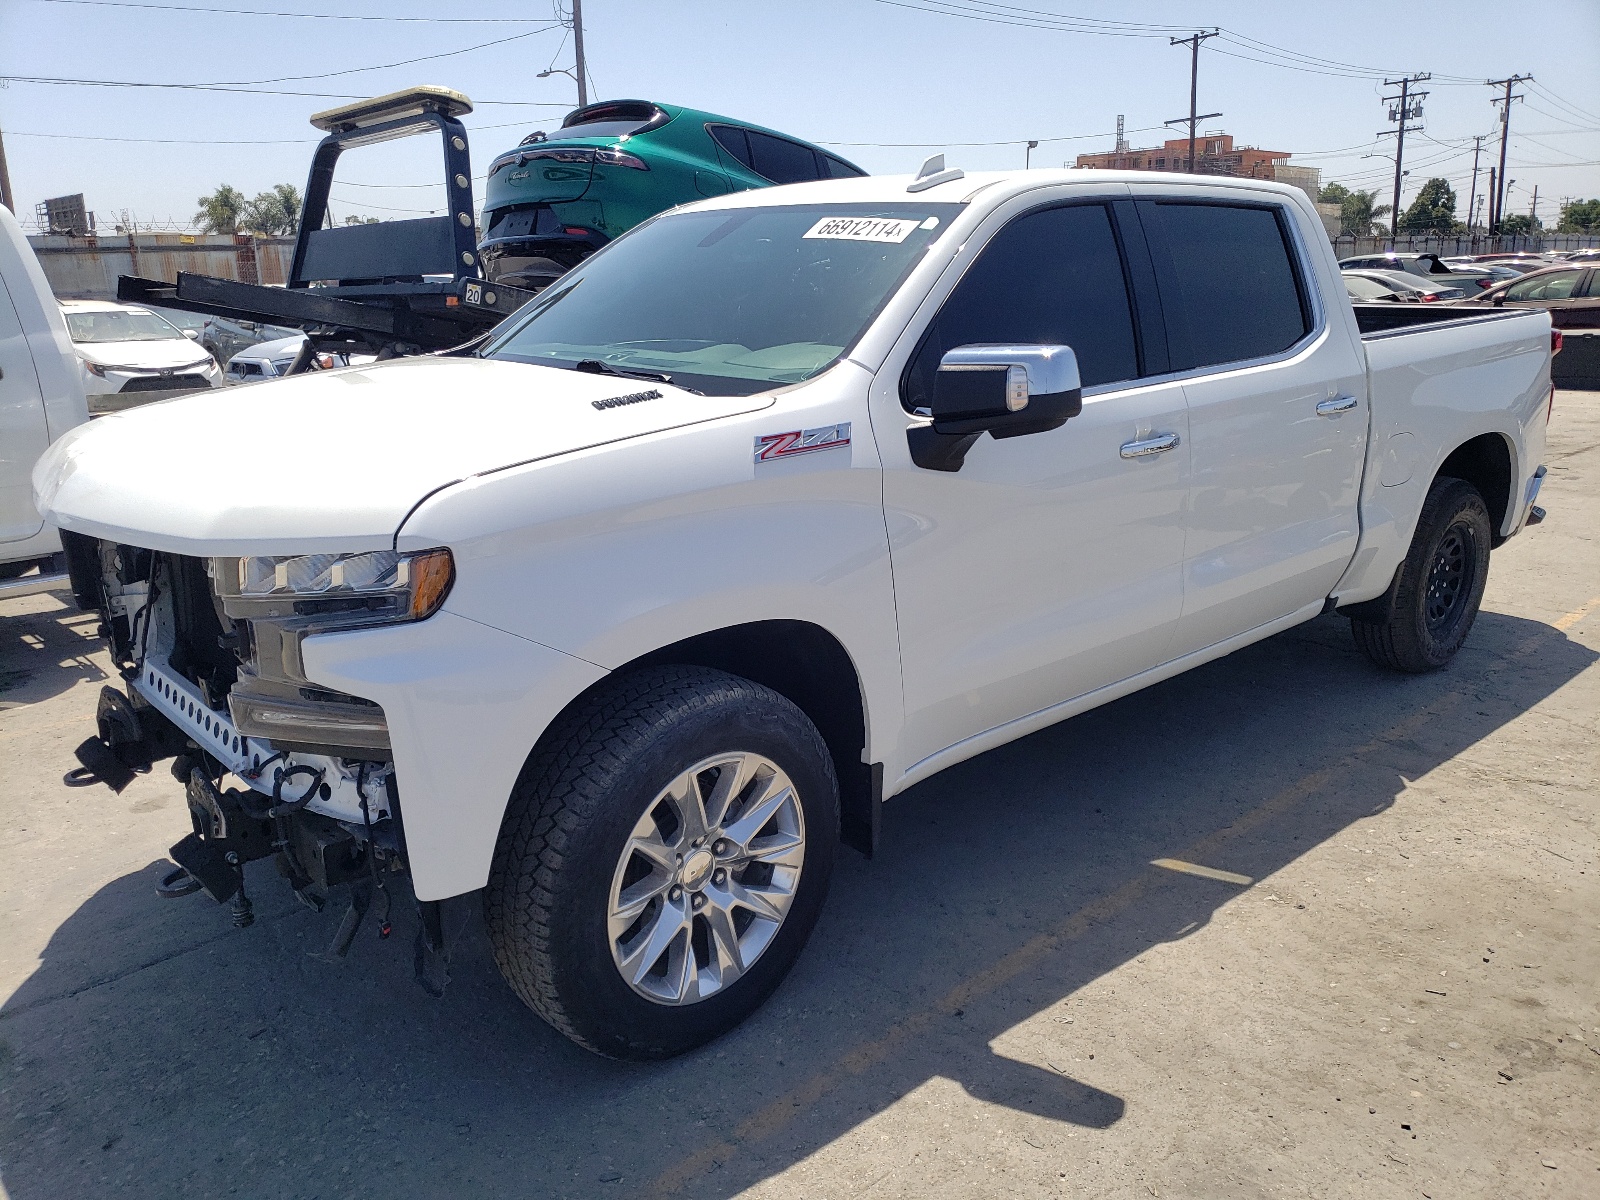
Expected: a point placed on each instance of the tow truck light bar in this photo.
(412, 102)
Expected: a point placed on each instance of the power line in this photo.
(90, 137)
(308, 16)
(1071, 137)
(244, 91)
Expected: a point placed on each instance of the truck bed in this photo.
(1387, 320)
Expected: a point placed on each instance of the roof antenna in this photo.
(933, 173)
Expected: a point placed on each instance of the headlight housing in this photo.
(315, 593)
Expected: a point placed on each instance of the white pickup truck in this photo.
(41, 397)
(622, 621)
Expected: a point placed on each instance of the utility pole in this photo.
(1533, 209)
(582, 69)
(5, 180)
(1402, 108)
(1472, 200)
(1497, 200)
(1194, 85)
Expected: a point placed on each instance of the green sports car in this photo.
(560, 196)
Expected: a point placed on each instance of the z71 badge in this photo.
(771, 446)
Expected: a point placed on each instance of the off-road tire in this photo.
(1454, 527)
(572, 809)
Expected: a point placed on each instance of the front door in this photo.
(1049, 565)
(1276, 389)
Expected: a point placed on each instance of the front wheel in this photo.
(1440, 586)
(663, 860)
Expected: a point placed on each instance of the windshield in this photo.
(120, 325)
(728, 302)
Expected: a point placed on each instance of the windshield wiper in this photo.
(593, 366)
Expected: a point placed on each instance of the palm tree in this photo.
(219, 212)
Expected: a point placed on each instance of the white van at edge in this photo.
(782, 502)
(41, 397)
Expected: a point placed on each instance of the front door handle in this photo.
(1335, 406)
(1145, 447)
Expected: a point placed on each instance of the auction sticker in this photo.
(863, 229)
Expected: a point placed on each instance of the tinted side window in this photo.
(1229, 288)
(779, 160)
(733, 141)
(837, 168)
(1556, 286)
(1049, 278)
(1592, 289)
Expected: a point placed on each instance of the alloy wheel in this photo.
(706, 878)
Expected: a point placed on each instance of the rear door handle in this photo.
(1336, 405)
(1148, 446)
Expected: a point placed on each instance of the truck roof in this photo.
(996, 186)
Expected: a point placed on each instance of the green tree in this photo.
(1579, 216)
(1434, 209)
(1359, 212)
(273, 213)
(352, 219)
(1520, 223)
(219, 212)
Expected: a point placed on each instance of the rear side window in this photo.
(837, 168)
(1053, 277)
(780, 160)
(1229, 287)
(1592, 288)
(1365, 289)
(733, 140)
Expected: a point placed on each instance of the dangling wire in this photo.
(384, 928)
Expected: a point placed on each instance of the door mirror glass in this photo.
(1002, 390)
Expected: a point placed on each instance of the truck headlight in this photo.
(333, 591)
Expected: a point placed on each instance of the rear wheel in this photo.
(664, 858)
(1440, 586)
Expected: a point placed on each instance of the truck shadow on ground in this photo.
(45, 651)
(156, 1052)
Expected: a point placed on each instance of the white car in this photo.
(41, 398)
(777, 505)
(133, 355)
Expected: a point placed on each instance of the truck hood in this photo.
(334, 461)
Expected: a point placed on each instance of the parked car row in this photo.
(1366, 287)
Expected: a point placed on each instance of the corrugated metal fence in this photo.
(1443, 245)
(86, 268)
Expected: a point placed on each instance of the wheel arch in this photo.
(809, 666)
(1486, 462)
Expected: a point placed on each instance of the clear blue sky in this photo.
(841, 73)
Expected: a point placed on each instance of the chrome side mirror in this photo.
(1003, 390)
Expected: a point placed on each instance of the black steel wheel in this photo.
(1440, 584)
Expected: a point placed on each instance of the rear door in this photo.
(24, 431)
(1277, 412)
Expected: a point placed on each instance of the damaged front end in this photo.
(273, 765)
